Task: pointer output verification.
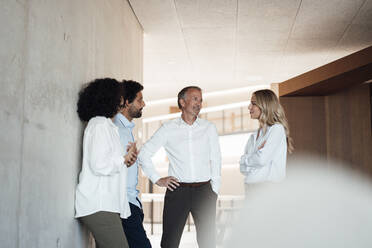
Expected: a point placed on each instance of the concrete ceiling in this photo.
(224, 44)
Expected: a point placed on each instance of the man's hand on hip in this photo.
(170, 182)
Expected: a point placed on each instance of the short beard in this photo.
(135, 113)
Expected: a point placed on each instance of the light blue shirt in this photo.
(126, 136)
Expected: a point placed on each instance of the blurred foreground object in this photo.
(318, 205)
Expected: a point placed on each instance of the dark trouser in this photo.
(107, 229)
(201, 202)
(133, 228)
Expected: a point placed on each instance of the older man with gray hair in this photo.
(194, 179)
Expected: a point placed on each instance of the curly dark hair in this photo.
(129, 90)
(100, 97)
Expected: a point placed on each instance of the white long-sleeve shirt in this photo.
(193, 152)
(102, 180)
(267, 164)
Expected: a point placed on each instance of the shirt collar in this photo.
(111, 123)
(124, 121)
(182, 122)
(197, 121)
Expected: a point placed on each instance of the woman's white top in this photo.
(103, 177)
(267, 164)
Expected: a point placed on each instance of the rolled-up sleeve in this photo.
(248, 150)
(261, 157)
(148, 150)
(102, 160)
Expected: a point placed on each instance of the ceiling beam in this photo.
(351, 70)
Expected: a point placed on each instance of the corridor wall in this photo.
(336, 127)
(48, 49)
(329, 111)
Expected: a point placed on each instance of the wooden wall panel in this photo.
(306, 118)
(348, 117)
(337, 124)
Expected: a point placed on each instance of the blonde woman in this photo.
(265, 153)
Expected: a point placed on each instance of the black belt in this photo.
(194, 184)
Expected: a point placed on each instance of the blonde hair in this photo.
(271, 113)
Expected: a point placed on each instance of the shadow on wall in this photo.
(318, 205)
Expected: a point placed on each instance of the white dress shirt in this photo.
(102, 180)
(193, 152)
(267, 164)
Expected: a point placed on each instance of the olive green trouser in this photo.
(107, 229)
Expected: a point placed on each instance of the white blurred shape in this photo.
(319, 206)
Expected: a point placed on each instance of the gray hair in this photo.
(182, 93)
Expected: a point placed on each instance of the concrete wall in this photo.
(48, 49)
